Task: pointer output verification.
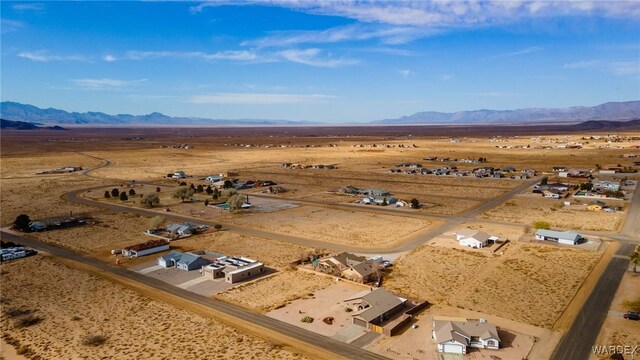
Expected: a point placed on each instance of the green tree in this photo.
(634, 258)
(182, 183)
(150, 200)
(544, 181)
(384, 202)
(216, 194)
(586, 186)
(115, 192)
(107, 195)
(218, 227)
(541, 225)
(227, 184)
(22, 222)
(157, 222)
(123, 196)
(169, 175)
(182, 193)
(415, 203)
(206, 203)
(132, 192)
(199, 188)
(158, 189)
(209, 190)
(235, 202)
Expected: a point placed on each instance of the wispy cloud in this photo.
(525, 51)
(106, 84)
(392, 35)
(45, 57)
(312, 57)
(241, 55)
(445, 77)
(7, 26)
(447, 13)
(109, 58)
(617, 68)
(405, 73)
(257, 98)
(621, 68)
(583, 64)
(22, 7)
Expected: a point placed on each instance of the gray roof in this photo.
(364, 268)
(476, 234)
(179, 227)
(568, 235)
(348, 259)
(174, 255)
(380, 301)
(188, 258)
(462, 331)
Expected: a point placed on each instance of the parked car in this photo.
(631, 315)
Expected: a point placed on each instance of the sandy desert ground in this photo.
(133, 326)
(276, 291)
(494, 284)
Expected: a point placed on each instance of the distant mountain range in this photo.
(28, 113)
(608, 111)
(611, 111)
(21, 125)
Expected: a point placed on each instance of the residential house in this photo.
(363, 272)
(379, 200)
(146, 248)
(561, 237)
(352, 190)
(233, 269)
(374, 192)
(559, 168)
(456, 336)
(213, 178)
(170, 259)
(606, 185)
(551, 194)
(181, 229)
(336, 264)
(474, 238)
(189, 261)
(374, 307)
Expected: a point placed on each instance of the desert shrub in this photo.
(307, 319)
(27, 320)
(348, 309)
(93, 340)
(632, 305)
(24, 350)
(76, 318)
(541, 225)
(15, 312)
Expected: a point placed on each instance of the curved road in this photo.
(266, 323)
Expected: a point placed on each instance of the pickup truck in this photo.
(631, 315)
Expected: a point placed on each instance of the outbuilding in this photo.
(561, 237)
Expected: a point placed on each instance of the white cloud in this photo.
(44, 57)
(106, 84)
(584, 64)
(242, 55)
(448, 13)
(21, 7)
(445, 77)
(405, 73)
(109, 58)
(621, 68)
(257, 98)
(524, 51)
(311, 57)
(7, 26)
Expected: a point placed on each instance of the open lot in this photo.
(133, 325)
(493, 284)
(528, 208)
(276, 291)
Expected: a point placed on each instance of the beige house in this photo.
(350, 266)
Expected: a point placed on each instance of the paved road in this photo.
(340, 349)
(632, 224)
(577, 342)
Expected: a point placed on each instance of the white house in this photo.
(213, 178)
(146, 248)
(456, 336)
(561, 237)
(474, 238)
(551, 194)
(606, 185)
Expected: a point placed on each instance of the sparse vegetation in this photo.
(93, 340)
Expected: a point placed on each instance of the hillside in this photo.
(21, 125)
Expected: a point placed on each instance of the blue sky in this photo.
(328, 61)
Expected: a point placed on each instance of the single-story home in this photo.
(182, 229)
(606, 185)
(213, 178)
(456, 336)
(474, 238)
(179, 175)
(551, 195)
(363, 272)
(373, 307)
(336, 264)
(379, 200)
(374, 192)
(146, 248)
(233, 269)
(561, 237)
(182, 261)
